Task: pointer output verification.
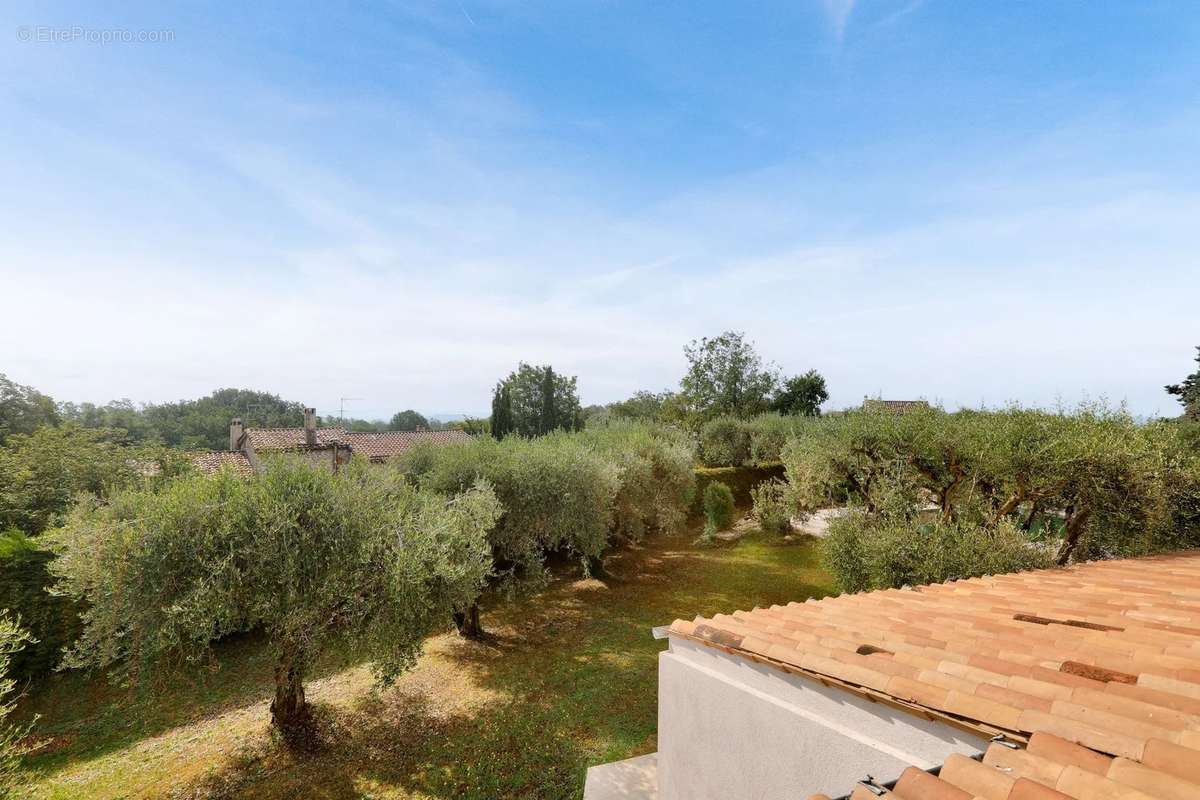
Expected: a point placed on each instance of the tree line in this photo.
(200, 424)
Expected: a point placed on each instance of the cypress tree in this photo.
(502, 417)
(548, 420)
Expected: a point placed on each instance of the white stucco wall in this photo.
(731, 729)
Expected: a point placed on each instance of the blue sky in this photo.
(969, 202)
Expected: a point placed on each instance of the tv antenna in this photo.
(342, 406)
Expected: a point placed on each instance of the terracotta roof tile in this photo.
(266, 439)
(1025, 789)
(212, 462)
(377, 446)
(389, 444)
(920, 785)
(1096, 666)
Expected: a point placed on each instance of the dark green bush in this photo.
(52, 620)
(880, 552)
(718, 506)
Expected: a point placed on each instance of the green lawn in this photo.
(567, 681)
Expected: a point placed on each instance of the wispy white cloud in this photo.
(838, 13)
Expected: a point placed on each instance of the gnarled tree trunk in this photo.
(1076, 523)
(468, 623)
(594, 566)
(289, 711)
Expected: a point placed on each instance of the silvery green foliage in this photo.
(12, 639)
(729, 441)
(771, 506)
(882, 551)
(298, 552)
(1089, 478)
(572, 492)
(656, 481)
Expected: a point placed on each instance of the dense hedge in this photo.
(735, 442)
(870, 552)
(52, 620)
(572, 492)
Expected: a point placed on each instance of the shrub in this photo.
(12, 747)
(718, 507)
(52, 620)
(878, 552)
(724, 442)
(771, 506)
(307, 556)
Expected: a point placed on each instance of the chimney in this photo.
(310, 426)
(235, 433)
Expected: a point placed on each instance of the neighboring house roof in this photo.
(212, 462)
(377, 446)
(291, 438)
(894, 406)
(1098, 664)
(389, 444)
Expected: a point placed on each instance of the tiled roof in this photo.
(211, 462)
(1050, 768)
(1103, 657)
(263, 439)
(388, 444)
(895, 406)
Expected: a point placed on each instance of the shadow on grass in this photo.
(85, 716)
(403, 740)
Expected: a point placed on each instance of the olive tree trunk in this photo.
(289, 712)
(468, 624)
(594, 567)
(1076, 524)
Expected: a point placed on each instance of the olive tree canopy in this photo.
(299, 553)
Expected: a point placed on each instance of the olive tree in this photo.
(567, 493)
(299, 553)
(1100, 483)
(553, 496)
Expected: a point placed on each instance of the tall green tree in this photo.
(23, 409)
(548, 418)
(408, 420)
(309, 557)
(536, 400)
(1188, 391)
(726, 375)
(801, 395)
(501, 424)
